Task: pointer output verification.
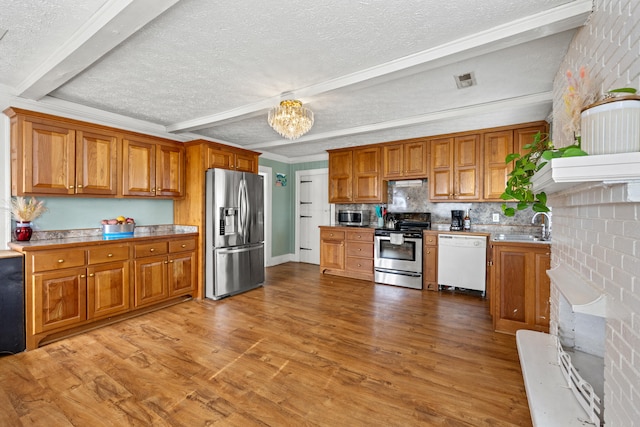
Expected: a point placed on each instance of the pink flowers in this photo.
(578, 95)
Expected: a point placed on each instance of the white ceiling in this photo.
(371, 70)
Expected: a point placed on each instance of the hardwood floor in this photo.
(304, 350)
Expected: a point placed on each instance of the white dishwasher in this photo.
(462, 261)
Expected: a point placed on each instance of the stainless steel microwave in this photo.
(353, 218)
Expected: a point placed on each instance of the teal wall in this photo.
(65, 213)
(283, 204)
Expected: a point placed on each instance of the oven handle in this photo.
(398, 272)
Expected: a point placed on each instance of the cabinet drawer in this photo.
(430, 239)
(182, 245)
(331, 235)
(100, 254)
(358, 249)
(360, 264)
(148, 249)
(360, 236)
(56, 260)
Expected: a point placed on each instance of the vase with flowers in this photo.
(24, 211)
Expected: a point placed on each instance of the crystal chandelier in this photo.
(290, 119)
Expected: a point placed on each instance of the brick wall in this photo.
(596, 230)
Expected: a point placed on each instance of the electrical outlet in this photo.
(496, 217)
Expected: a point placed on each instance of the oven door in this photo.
(404, 257)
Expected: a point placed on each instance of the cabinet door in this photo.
(441, 167)
(49, 151)
(511, 288)
(525, 136)
(170, 170)
(415, 159)
(220, 159)
(332, 254)
(107, 289)
(96, 163)
(340, 173)
(182, 273)
(497, 145)
(138, 168)
(367, 178)
(542, 285)
(247, 162)
(150, 280)
(467, 168)
(430, 267)
(393, 160)
(59, 299)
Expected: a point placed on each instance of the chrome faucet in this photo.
(546, 230)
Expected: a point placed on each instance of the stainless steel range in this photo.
(398, 249)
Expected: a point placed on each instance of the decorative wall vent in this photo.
(465, 80)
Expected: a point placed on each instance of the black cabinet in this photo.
(12, 333)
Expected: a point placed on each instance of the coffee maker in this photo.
(457, 220)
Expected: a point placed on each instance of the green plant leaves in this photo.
(623, 90)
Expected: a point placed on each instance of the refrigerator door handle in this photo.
(240, 210)
(244, 209)
(236, 249)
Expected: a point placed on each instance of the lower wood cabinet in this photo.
(69, 289)
(345, 251)
(520, 286)
(430, 260)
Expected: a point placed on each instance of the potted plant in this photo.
(24, 212)
(519, 187)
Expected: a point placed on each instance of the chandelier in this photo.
(290, 119)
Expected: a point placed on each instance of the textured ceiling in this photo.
(371, 71)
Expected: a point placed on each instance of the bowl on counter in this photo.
(117, 231)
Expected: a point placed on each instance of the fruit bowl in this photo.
(115, 231)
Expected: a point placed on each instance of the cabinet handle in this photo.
(359, 265)
(171, 262)
(183, 245)
(60, 261)
(71, 187)
(151, 250)
(428, 251)
(110, 255)
(153, 190)
(359, 249)
(80, 186)
(166, 262)
(92, 274)
(82, 276)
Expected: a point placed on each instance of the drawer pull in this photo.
(171, 262)
(60, 261)
(151, 250)
(92, 274)
(183, 245)
(71, 187)
(80, 186)
(166, 262)
(359, 249)
(82, 276)
(110, 255)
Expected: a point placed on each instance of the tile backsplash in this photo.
(415, 198)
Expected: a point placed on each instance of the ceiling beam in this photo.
(544, 98)
(562, 18)
(113, 23)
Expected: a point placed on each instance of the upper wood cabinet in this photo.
(150, 169)
(355, 176)
(497, 145)
(58, 156)
(223, 157)
(405, 160)
(51, 157)
(455, 168)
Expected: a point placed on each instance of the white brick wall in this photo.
(595, 231)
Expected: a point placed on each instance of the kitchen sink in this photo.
(518, 238)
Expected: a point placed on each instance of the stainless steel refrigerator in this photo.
(234, 233)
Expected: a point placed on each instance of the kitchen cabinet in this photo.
(430, 260)
(54, 157)
(150, 169)
(226, 158)
(497, 145)
(405, 160)
(520, 286)
(355, 176)
(455, 168)
(345, 251)
(190, 210)
(59, 156)
(70, 287)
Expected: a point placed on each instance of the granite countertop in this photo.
(52, 239)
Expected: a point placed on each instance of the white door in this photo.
(313, 210)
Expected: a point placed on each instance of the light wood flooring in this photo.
(304, 350)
